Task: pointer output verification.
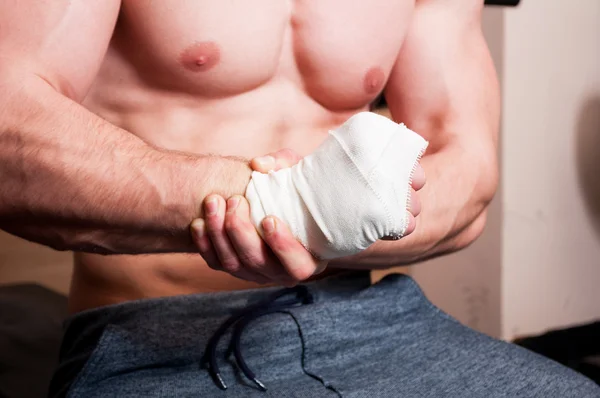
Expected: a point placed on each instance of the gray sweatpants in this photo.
(350, 340)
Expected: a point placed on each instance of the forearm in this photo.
(72, 181)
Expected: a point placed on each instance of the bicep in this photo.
(61, 41)
(444, 81)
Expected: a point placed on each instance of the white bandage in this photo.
(353, 190)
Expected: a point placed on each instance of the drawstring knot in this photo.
(241, 319)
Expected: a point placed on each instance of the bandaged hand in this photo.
(352, 191)
(228, 240)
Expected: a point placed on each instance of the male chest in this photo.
(339, 51)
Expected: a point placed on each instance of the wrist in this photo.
(224, 176)
(181, 182)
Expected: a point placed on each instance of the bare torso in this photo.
(232, 78)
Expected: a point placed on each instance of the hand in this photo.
(228, 241)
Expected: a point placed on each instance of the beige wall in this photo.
(551, 166)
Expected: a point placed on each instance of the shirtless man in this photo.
(121, 122)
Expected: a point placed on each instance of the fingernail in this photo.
(211, 206)
(198, 227)
(268, 225)
(232, 204)
(266, 162)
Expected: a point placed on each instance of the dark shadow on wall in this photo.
(588, 157)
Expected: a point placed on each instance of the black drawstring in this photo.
(243, 318)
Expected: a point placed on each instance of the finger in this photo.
(412, 224)
(415, 203)
(214, 210)
(250, 248)
(202, 242)
(275, 161)
(418, 178)
(298, 262)
(263, 164)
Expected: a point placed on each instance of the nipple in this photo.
(201, 60)
(200, 56)
(374, 80)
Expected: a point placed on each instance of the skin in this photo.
(119, 120)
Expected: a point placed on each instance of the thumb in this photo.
(275, 161)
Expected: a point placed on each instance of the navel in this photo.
(374, 80)
(200, 56)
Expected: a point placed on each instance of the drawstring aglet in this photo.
(260, 385)
(220, 383)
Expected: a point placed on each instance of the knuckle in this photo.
(230, 265)
(252, 260)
